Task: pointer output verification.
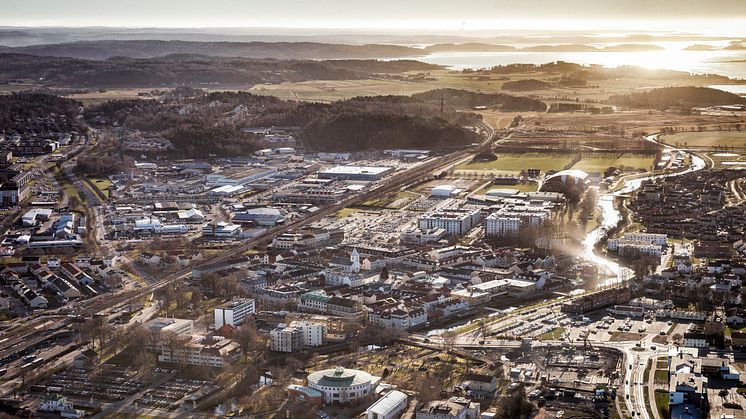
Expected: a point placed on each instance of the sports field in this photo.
(515, 162)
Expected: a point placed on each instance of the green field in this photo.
(102, 184)
(598, 162)
(515, 162)
(735, 139)
(661, 401)
(552, 335)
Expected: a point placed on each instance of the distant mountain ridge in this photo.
(101, 50)
(105, 49)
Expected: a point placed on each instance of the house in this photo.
(73, 273)
(480, 385)
(148, 258)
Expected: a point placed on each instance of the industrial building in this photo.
(366, 173)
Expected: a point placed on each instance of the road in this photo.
(107, 303)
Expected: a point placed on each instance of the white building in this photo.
(312, 334)
(444, 191)
(389, 406)
(419, 236)
(210, 351)
(285, 338)
(496, 225)
(342, 385)
(221, 229)
(452, 220)
(234, 313)
(180, 327)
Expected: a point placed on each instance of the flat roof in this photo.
(356, 170)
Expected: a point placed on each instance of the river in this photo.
(611, 270)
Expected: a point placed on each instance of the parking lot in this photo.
(171, 394)
(106, 384)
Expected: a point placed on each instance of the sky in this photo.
(703, 16)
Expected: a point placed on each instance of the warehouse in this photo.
(367, 173)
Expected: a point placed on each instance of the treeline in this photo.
(189, 70)
(38, 113)
(201, 141)
(525, 85)
(467, 99)
(677, 97)
(100, 166)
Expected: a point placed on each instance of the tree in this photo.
(384, 273)
(449, 340)
(428, 387)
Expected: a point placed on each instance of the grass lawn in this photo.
(552, 334)
(391, 202)
(515, 162)
(69, 189)
(598, 162)
(344, 212)
(103, 184)
(736, 139)
(661, 402)
(661, 376)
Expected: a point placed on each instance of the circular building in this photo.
(341, 385)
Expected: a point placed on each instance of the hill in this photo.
(190, 70)
(210, 124)
(26, 113)
(101, 50)
(467, 99)
(677, 97)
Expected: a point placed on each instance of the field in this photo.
(708, 139)
(598, 162)
(331, 90)
(515, 162)
(397, 201)
(661, 401)
(102, 184)
(552, 335)
(727, 160)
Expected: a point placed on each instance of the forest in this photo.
(211, 124)
(677, 97)
(189, 70)
(26, 113)
(468, 99)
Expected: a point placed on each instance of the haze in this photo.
(725, 17)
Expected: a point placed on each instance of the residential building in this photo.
(312, 333)
(284, 338)
(234, 313)
(453, 221)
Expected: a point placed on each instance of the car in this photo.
(426, 340)
(652, 348)
(481, 342)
